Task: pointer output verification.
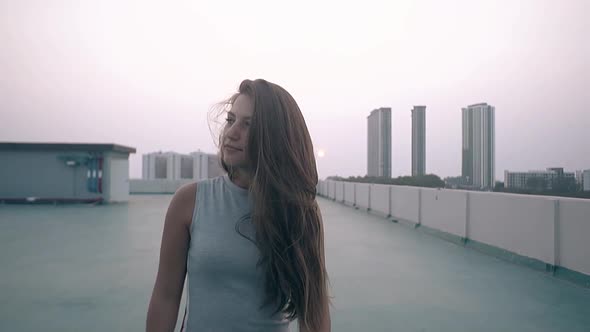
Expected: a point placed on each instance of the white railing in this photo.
(554, 230)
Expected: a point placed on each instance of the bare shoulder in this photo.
(175, 244)
(183, 203)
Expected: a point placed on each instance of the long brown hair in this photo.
(286, 216)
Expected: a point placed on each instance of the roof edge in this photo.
(54, 146)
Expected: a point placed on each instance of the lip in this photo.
(229, 147)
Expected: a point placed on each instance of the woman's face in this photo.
(235, 133)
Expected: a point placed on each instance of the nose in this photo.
(232, 132)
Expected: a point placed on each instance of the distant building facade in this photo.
(159, 165)
(455, 182)
(418, 140)
(586, 180)
(479, 156)
(541, 180)
(580, 178)
(379, 142)
(177, 166)
(64, 172)
(206, 165)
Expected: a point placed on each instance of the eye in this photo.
(230, 120)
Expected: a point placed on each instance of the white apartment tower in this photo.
(418, 140)
(379, 142)
(479, 156)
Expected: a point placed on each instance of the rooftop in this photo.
(380, 109)
(92, 268)
(478, 104)
(21, 146)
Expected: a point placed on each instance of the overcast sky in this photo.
(145, 73)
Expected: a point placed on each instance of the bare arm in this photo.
(163, 308)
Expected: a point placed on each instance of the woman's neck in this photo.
(241, 179)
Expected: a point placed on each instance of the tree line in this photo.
(428, 180)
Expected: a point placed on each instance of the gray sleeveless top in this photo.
(225, 286)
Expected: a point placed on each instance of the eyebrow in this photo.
(234, 115)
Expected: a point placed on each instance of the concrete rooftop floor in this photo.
(92, 268)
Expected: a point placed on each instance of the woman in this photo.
(251, 241)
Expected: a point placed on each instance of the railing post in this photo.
(369, 203)
(389, 201)
(467, 217)
(334, 191)
(419, 208)
(556, 235)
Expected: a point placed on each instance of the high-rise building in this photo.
(479, 156)
(418, 140)
(379, 142)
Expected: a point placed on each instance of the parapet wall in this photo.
(551, 230)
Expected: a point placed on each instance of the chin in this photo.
(233, 162)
